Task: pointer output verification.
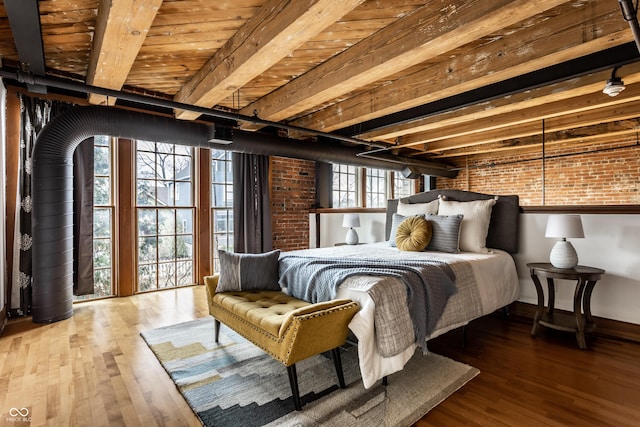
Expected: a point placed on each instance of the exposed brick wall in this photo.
(599, 175)
(293, 194)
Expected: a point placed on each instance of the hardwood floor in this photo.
(95, 370)
(542, 381)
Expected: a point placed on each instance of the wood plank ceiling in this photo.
(439, 79)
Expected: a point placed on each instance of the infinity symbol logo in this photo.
(14, 412)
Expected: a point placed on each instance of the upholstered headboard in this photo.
(503, 227)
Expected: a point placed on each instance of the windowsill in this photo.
(347, 210)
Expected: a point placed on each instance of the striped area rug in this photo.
(234, 383)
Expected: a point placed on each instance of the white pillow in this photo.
(411, 209)
(475, 222)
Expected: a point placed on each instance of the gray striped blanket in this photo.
(429, 283)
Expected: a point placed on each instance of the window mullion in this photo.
(362, 187)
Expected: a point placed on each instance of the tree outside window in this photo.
(165, 215)
(345, 186)
(103, 211)
(377, 186)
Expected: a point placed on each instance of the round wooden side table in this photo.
(581, 320)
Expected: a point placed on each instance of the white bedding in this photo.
(497, 286)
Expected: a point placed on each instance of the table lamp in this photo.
(563, 254)
(351, 220)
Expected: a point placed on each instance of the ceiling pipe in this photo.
(31, 79)
(630, 14)
(328, 152)
(312, 150)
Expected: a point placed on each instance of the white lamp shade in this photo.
(351, 220)
(564, 226)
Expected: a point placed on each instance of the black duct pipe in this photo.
(52, 216)
(329, 152)
(45, 81)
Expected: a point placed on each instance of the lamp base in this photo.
(563, 255)
(352, 237)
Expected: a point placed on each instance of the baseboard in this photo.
(607, 328)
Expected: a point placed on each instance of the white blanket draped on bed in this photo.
(485, 282)
(428, 286)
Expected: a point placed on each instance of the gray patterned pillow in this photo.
(248, 272)
(445, 233)
(396, 220)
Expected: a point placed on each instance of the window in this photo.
(345, 186)
(402, 187)
(221, 203)
(350, 182)
(165, 215)
(376, 188)
(103, 214)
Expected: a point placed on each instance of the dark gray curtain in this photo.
(83, 218)
(251, 203)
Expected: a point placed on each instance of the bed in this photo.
(482, 274)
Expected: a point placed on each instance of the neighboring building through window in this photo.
(165, 215)
(221, 203)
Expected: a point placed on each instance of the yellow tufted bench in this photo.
(285, 327)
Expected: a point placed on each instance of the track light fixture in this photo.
(614, 85)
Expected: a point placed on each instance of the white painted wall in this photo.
(612, 242)
(371, 230)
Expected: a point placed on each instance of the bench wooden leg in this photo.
(337, 362)
(464, 337)
(216, 329)
(293, 381)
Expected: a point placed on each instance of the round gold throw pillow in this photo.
(413, 234)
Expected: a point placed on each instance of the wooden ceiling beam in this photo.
(604, 133)
(559, 39)
(549, 94)
(276, 30)
(121, 28)
(565, 123)
(569, 104)
(430, 31)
